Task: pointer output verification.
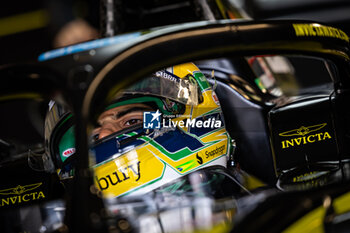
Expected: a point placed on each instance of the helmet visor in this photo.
(167, 85)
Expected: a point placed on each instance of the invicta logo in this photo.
(20, 194)
(304, 135)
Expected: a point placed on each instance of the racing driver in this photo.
(151, 137)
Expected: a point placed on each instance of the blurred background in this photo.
(19, 38)
(28, 28)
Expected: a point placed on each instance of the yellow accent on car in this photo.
(23, 22)
(313, 221)
(310, 223)
(342, 204)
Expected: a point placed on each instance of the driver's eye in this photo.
(133, 122)
(95, 137)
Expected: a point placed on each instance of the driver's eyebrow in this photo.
(134, 109)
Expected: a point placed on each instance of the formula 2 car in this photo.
(290, 134)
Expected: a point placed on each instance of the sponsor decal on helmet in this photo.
(124, 174)
(215, 98)
(167, 75)
(202, 81)
(304, 136)
(199, 159)
(68, 152)
(21, 194)
(196, 160)
(120, 175)
(213, 153)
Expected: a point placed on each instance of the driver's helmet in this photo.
(170, 125)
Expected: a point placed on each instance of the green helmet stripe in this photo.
(141, 100)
